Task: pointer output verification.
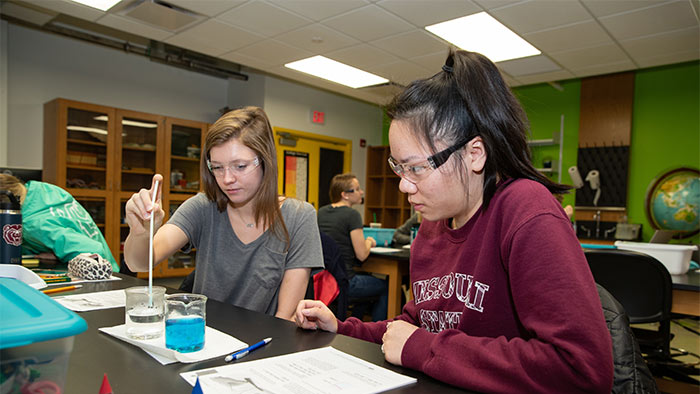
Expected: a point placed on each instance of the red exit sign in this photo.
(318, 117)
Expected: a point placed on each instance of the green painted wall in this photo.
(544, 106)
(665, 131)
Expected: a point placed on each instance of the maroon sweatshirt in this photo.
(506, 303)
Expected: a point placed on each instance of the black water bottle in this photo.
(11, 226)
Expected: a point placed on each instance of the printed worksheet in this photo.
(317, 371)
(92, 301)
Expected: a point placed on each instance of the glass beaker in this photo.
(144, 317)
(185, 321)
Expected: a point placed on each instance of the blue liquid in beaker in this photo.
(184, 334)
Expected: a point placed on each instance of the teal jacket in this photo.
(52, 221)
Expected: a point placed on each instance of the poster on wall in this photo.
(296, 175)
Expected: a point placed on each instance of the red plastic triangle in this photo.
(105, 388)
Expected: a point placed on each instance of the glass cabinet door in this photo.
(184, 140)
(138, 157)
(87, 139)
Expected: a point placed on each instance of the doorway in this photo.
(307, 162)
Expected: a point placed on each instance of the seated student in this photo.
(402, 235)
(344, 225)
(255, 249)
(568, 209)
(53, 223)
(504, 300)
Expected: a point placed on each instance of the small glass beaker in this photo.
(185, 321)
(144, 316)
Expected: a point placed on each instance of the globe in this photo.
(673, 200)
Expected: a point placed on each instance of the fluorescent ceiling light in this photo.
(482, 33)
(128, 122)
(102, 5)
(337, 72)
(87, 129)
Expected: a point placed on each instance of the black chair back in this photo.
(638, 281)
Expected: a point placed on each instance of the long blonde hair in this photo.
(251, 127)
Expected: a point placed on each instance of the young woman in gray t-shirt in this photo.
(255, 249)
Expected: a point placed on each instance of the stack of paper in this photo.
(325, 370)
(216, 344)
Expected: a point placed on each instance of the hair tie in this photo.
(447, 69)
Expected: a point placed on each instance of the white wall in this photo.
(289, 105)
(3, 93)
(43, 66)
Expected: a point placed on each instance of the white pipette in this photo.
(150, 247)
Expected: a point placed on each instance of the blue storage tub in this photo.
(383, 236)
(36, 338)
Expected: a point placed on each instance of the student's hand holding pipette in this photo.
(140, 207)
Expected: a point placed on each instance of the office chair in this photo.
(643, 286)
(334, 265)
(631, 372)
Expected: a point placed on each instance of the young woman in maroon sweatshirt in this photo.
(504, 300)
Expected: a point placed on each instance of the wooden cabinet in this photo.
(102, 155)
(384, 202)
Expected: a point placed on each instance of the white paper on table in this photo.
(380, 249)
(84, 302)
(216, 344)
(324, 370)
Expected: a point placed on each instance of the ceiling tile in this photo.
(70, 8)
(407, 45)
(274, 52)
(319, 10)
(671, 58)
(263, 18)
(26, 13)
(510, 81)
(434, 61)
(207, 7)
(531, 16)
(308, 38)
(653, 20)
(528, 65)
(362, 56)
(493, 4)
(141, 29)
(587, 57)
(545, 77)
(577, 35)
(401, 72)
(216, 36)
(609, 7)
(599, 69)
(427, 12)
(663, 44)
(368, 23)
(244, 60)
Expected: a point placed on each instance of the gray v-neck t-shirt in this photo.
(247, 275)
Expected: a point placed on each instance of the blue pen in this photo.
(242, 353)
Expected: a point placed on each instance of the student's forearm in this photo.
(136, 252)
(368, 247)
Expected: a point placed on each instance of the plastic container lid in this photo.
(23, 274)
(29, 316)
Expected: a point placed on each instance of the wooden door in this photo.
(300, 166)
